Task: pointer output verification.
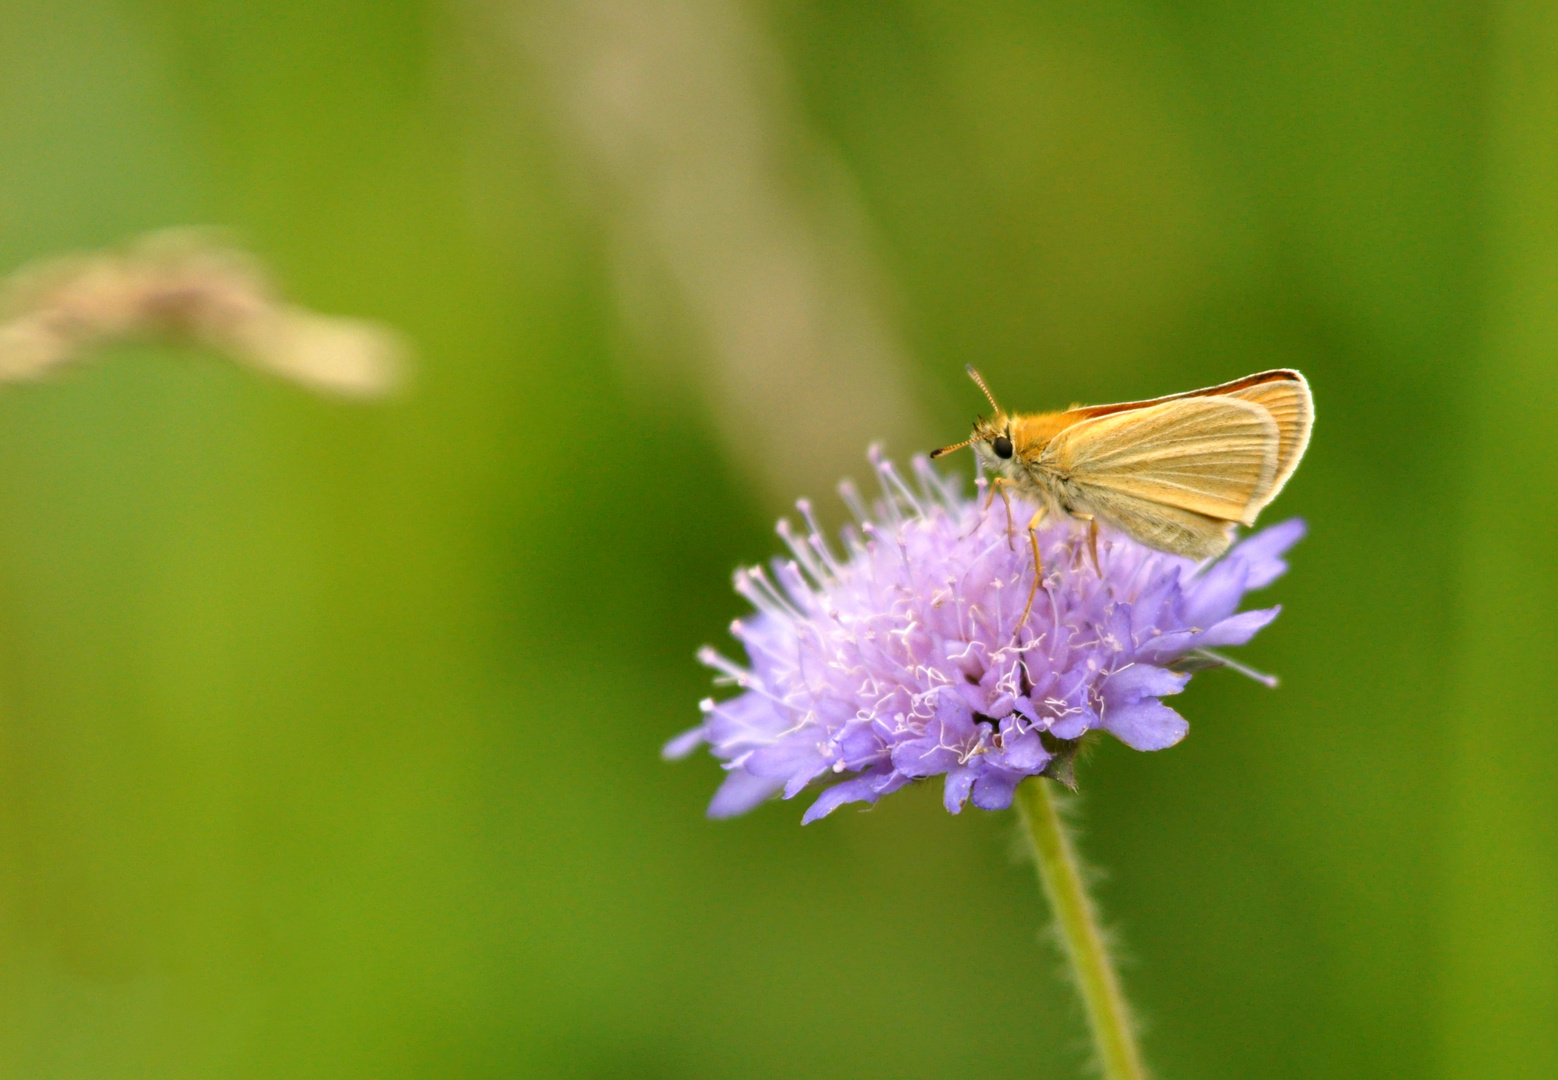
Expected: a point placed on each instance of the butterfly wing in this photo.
(1174, 475)
(1166, 528)
(1282, 392)
(1286, 397)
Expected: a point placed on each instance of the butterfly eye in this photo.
(1002, 446)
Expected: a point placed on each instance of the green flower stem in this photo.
(1107, 1014)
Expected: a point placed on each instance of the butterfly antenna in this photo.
(948, 449)
(980, 382)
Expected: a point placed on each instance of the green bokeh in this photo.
(329, 733)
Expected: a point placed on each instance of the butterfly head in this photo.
(992, 437)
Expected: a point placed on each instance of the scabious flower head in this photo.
(903, 658)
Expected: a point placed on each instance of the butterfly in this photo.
(1176, 473)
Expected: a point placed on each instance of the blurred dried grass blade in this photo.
(724, 215)
(187, 285)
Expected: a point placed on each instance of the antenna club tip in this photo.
(934, 454)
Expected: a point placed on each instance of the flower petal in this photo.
(1236, 630)
(1147, 725)
(1215, 595)
(955, 793)
(683, 744)
(860, 789)
(1023, 751)
(1264, 550)
(1129, 685)
(740, 792)
(994, 788)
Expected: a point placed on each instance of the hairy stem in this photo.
(1107, 1014)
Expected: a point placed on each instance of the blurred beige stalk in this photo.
(690, 148)
(183, 284)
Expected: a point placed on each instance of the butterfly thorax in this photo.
(1033, 432)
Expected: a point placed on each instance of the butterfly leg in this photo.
(1038, 565)
(1092, 538)
(1001, 483)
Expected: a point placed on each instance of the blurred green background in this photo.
(329, 732)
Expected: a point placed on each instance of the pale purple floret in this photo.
(902, 659)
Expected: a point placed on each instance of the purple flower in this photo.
(903, 659)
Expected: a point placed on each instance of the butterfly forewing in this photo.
(1283, 392)
(1213, 457)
